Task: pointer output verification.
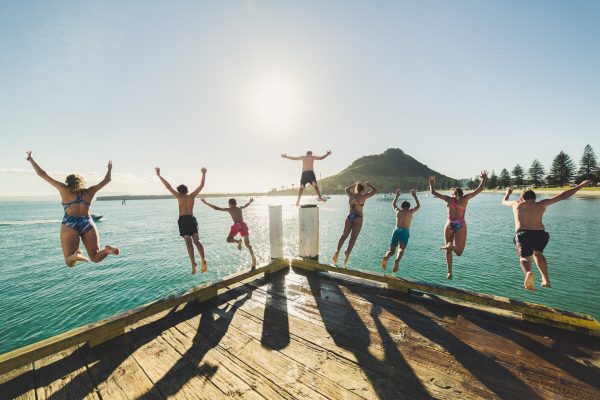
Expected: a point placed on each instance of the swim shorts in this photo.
(239, 227)
(528, 241)
(400, 235)
(187, 225)
(307, 177)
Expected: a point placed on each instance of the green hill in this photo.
(387, 171)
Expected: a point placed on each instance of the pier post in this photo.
(276, 231)
(309, 232)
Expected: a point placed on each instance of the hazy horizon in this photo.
(460, 86)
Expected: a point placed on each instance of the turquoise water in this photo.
(40, 297)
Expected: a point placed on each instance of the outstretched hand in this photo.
(29, 158)
(203, 200)
(413, 192)
(283, 155)
(397, 191)
(587, 182)
(109, 166)
(483, 174)
(203, 170)
(157, 169)
(432, 180)
(251, 199)
(328, 152)
(509, 190)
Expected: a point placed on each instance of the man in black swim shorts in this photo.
(308, 173)
(531, 237)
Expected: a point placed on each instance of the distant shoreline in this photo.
(593, 192)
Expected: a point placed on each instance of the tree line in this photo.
(562, 172)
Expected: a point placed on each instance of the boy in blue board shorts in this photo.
(401, 234)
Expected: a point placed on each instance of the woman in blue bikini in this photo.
(77, 223)
(455, 230)
(354, 220)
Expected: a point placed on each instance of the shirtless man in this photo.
(531, 237)
(239, 226)
(308, 173)
(404, 216)
(188, 225)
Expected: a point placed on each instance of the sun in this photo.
(275, 102)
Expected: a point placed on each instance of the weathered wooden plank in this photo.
(64, 376)
(531, 311)
(507, 369)
(18, 384)
(110, 327)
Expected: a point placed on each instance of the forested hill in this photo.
(387, 171)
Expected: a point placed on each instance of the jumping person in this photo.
(308, 173)
(404, 216)
(455, 230)
(531, 237)
(188, 225)
(354, 220)
(77, 224)
(239, 226)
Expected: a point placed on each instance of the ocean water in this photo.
(41, 297)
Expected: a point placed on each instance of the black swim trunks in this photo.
(528, 241)
(187, 225)
(307, 177)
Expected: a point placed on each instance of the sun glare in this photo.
(275, 102)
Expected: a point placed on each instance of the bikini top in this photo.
(78, 200)
(454, 204)
(353, 206)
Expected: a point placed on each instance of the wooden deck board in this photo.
(315, 335)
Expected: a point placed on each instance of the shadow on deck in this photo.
(313, 335)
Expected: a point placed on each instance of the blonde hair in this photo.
(75, 182)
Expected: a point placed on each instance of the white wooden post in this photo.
(276, 231)
(309, 232)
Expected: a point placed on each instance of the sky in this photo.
(230, 85)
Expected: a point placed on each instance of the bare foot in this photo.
(335, 257)
(323, 199)
(298, 203)
(346, 258)
(528, 284)
(112, 250)
(449, 276)
(194, 265)
(384, 262)
(253, 262)
(447, 246)
(239, 242)
(204, 267)
(396, 266)
(76, 257)
(546, 283)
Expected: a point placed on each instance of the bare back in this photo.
(236, 214)
(77, 209)
(528, 215)
(404, 218)
(186, 204)
(308, 163)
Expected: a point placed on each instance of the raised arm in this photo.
(565, 194)
(199, 188)
(434, 192)
(348, 189)
(167, 184)
(505, 201)
(414, 195)
(94, 189)
(248, 203)
(290, 157)
(373, 190)
(323, 156)
(394, 206)
(213, 206)
(483, 180)
(38, 170)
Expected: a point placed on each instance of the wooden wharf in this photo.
(296, 329)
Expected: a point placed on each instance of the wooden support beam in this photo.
(533, 312)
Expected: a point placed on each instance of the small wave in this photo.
(31, 222)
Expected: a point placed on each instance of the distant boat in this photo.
(97, 217)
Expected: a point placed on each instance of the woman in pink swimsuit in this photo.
(455, 230)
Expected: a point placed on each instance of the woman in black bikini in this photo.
(354, 220)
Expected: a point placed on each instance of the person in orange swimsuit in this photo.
(455, 230)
